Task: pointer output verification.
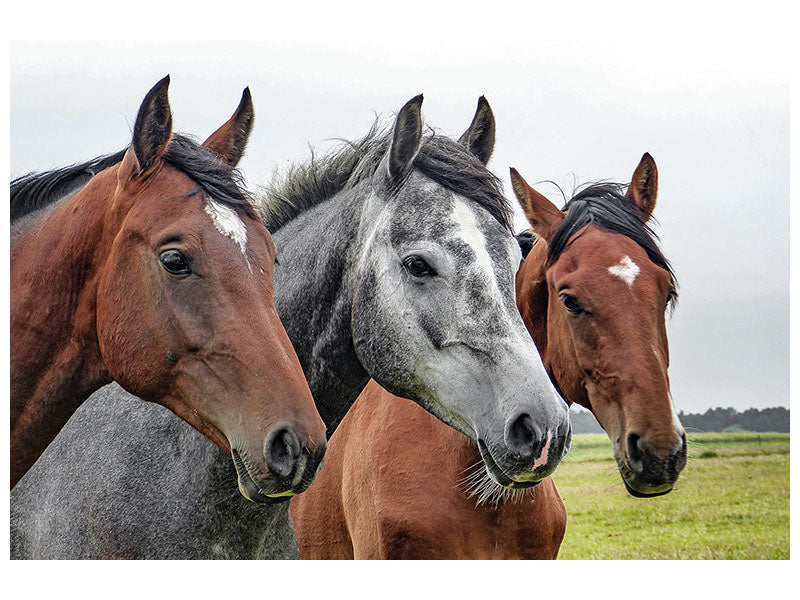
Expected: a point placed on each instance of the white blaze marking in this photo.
(627, 270)
(474, 238)
(469, 233)
(228, 224)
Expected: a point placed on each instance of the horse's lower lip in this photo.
(640, 494)
(521, 485)
(498, 474)
(250, 489)
(640, 488)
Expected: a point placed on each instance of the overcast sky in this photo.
(573, 103)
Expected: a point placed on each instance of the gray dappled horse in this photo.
(396, 262)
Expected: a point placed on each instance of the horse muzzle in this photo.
(644, 473)
(291, 467)
(525, 465)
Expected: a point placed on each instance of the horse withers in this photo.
(592, 291)
(157, 273)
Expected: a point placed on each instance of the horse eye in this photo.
(417, 266)
(570, 303)
(174, 262)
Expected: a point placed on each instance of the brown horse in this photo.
(157, 273)
(593, 292)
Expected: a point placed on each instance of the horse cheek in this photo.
(126, 324)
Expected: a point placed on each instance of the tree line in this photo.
(729, 419)
(775, 419)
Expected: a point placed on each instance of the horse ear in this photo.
(406, 138)
(153, 128)
(544, 217)
(229, 141)
(644, 185)
(479, 136)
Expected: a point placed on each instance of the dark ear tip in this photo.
(415, 100)
(482, 101)
(247, 99)
(159, 89)
(514, 173)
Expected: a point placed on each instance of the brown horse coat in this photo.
(373, 501)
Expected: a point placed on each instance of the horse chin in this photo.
(252, 493)
(523, 485)
(647, 491)
(250, 489)
(498, 475)
(641, 489)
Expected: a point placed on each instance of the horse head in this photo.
(434, 312)
(185, 308)
(593, 291)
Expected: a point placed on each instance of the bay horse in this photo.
(397, 263)
(150, 267)
(593, 291)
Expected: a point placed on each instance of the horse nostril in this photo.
(635, 452)
(281, 450)
(522, 437)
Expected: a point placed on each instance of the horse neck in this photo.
(317, 252)
(56, 361)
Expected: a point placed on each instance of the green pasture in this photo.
(731, 502)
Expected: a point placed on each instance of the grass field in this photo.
(731, 502)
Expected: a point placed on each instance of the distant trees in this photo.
(753, 419)
(713, 420)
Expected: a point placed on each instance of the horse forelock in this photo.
(216, 178)
(38, 190)
(605, 206)
(441, 159)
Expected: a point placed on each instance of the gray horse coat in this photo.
(70, 506)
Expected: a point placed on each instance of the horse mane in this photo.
(604, 205)
(445, 161)
(35, 191)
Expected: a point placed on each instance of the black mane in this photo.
(445, 161)
(604, 205)
(34, 191)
